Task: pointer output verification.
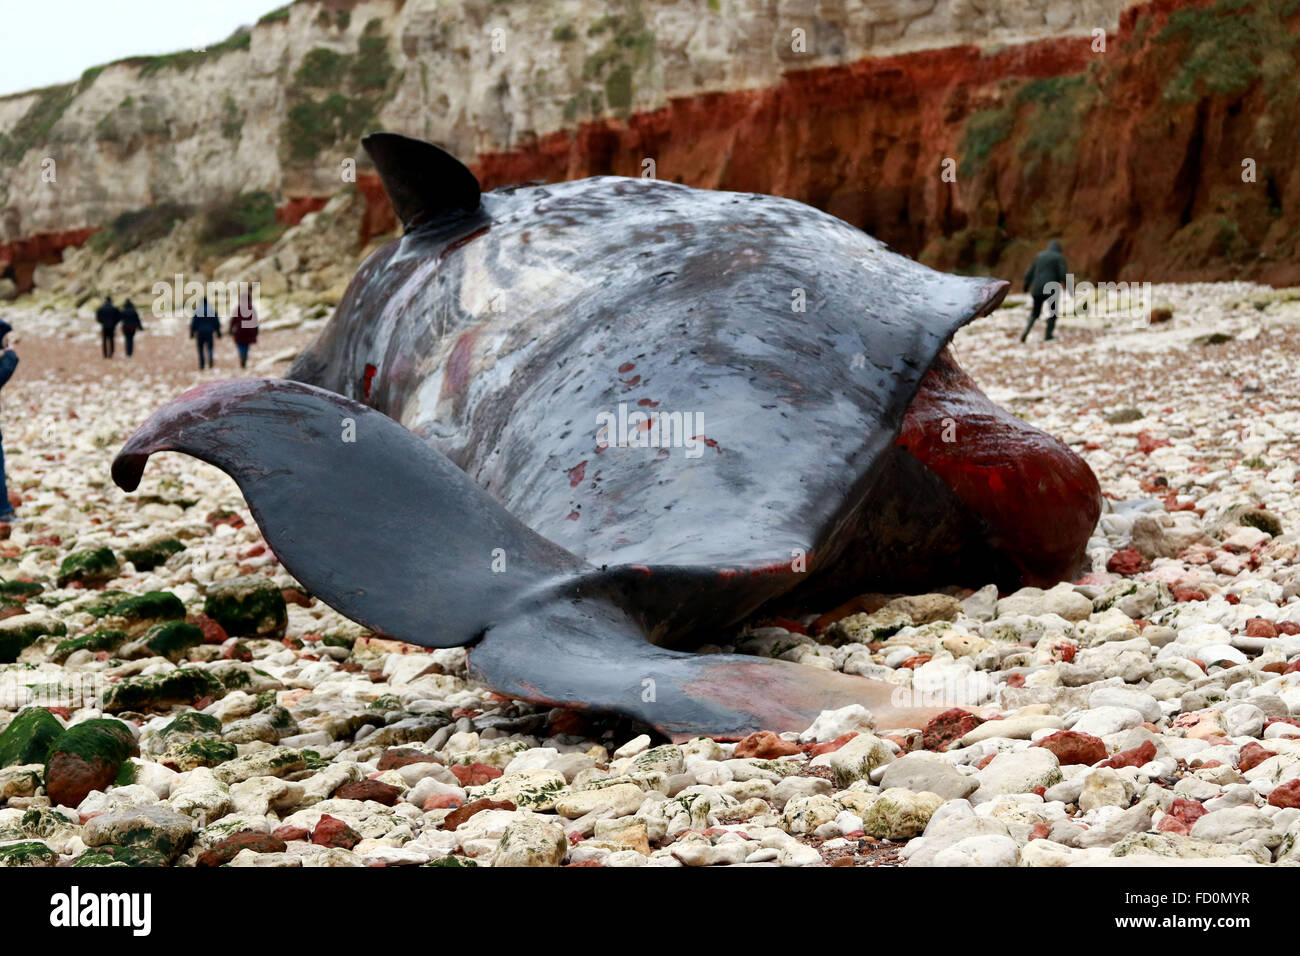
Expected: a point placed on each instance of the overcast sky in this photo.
(53, 41)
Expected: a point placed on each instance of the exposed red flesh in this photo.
(1038, 498)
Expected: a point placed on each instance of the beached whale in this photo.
(580, 426)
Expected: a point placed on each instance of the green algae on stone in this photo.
(93, 567)
(172, 639)
(30, 853)
(151, 554)
(160, 691)
(112, 855)
(98, 605)
(452, 861)
(20, 590)
(193, 722)
(198, 752)
(86, 757)
(20, 632)
(28, 737)
(248, 607)
(135, 615)
(104, 639)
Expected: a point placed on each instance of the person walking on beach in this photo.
(8, 362)
(1048, 267)
(130, 325)
(205, 324)
(243, 327)
(107, 316)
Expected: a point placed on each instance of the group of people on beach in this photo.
(205, 327)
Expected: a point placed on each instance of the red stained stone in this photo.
(1189, 594)
(816, 750)
(949, 726)
(1285, 795)
(985, 762)
(213, 633)
(1170, 824)
(764, 745)
(289, 834)
(1259, 627)
(1252, 755)
(333, 832)
(1186, 811)
(374, 790)
(475, 774)
(442, 801)
(1016, 680)
(396, 757)
(912, 663)
(461, 814)
(1128, 561)
(1072, 747)
(230, 847)
(1145, 752)
(1286, 627)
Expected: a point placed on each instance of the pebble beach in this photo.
(170, 696)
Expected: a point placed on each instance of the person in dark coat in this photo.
(107, 316)
(8, 362)
(1048, 267)
(130, 325)
(205, 324)
(243, 327)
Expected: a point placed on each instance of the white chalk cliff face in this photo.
(276, 113)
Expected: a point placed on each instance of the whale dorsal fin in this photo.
(424, 182)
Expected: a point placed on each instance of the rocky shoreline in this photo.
(1146, 714)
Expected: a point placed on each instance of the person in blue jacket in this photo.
(8, 362)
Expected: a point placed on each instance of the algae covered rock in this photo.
(135, 615)
(187, 755)
(156, 828)
(20, 590)
(30, 853)
(91, 568)
(151, 554)
(171, 639)
(86, 757)
(184, 685)
(899, 814)
(103, 639)
(111, 855)
(248, 607)
(28, 737)
(19, 633)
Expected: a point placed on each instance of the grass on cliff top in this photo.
(1229, 45)
(37, 122)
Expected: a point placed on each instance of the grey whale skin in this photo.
(473, 359)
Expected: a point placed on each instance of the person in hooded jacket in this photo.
(243, 327)
(131, 324)
(205, 324)
(8, 362)
(107, 316)
(1048, 267)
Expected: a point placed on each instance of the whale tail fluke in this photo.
(587, 653)
(376, 523)
(393, 535)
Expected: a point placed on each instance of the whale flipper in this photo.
(424, 183)
(587, 653)
(376, 523)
